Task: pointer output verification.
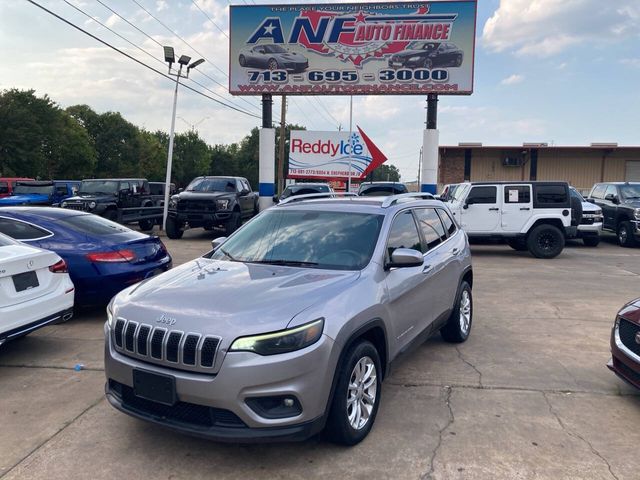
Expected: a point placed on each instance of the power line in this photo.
(326, 110)
(141, 49)
(192, 48)
(324, 117)
(210, 19)
(71, 24)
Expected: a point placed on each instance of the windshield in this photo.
(304, 190)
(424, 46)
(98, 186)
(312, 239)
(382, 190)
(458, 193)
(576, 194)
(4, 187)
(274, 49)
(22, 189)
(630, 191)
(212, 185)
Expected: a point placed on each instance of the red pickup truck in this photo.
(7, 184)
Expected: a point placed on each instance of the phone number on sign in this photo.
(348, 76)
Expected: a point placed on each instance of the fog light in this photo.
(280, 406)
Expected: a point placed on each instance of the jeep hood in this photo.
(91, 198)
(230, 299)
(25, 198)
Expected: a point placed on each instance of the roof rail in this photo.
(393, 199)
(311, 196)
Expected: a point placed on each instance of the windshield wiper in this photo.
(228, 255)
(288, 263)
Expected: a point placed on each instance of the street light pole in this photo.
(183, 61)
(350, 142)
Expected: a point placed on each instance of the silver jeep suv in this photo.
(290, 325)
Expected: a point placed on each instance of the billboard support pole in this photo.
(430, 144)
(283, 137)
(350, 140)
(267, 154)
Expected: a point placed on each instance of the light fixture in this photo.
(184, 60)
(169, 55)
(196, 63)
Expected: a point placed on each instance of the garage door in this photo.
(633, 172)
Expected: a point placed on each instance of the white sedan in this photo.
(35, 289)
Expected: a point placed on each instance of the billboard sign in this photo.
(348, 49)
(328, 154)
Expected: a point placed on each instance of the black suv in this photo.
(620, 204)
(381, 189)
(109, 197)
(210, 202)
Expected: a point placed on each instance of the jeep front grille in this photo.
(76, 206)
(171, 348)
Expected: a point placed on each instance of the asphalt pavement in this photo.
(527, 396)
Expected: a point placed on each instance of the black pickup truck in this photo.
(125, 200)
(210, 202)
(620, 204)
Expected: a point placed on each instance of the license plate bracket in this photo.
(155, 387)
(25, 281)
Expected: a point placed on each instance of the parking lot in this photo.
(528, 396)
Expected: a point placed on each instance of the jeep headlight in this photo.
(414, 59)
(92, 205)
(173, 203)
(222, 204)
(281, 342)
(636, 213)
(63, 204)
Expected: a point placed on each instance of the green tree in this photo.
(385, 173)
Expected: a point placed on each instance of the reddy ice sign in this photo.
(346, 49)
(332, 155)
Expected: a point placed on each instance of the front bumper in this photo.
(624, 362)
(591, 229)
(201, 219)
(306, 375)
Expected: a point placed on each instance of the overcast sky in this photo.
(566, 72)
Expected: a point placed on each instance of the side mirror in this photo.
(216, 242)
(180, 190)
(124, 192)
(591, 200)
(611, 198)
(406, 257)
(276, 199)
(244, 192)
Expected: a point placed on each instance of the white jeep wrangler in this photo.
(534, 216)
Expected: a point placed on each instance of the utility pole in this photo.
(350, 141)
(283, 135)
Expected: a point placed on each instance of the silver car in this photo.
(288, 327)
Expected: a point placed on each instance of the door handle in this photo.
(455, 251)
(525, 208)
(426, 269)
(494, 209)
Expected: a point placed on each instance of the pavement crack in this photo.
(467, 362)
(573, 434)
(430, 474)
(58, 432)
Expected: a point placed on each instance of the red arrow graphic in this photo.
(377, 157)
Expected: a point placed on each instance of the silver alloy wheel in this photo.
(465, 311)
(361, 393)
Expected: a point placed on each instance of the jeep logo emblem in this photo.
(638, 338)
(166, 320)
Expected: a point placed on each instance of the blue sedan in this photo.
(103, 257)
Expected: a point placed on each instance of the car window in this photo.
(61, 190)
(4, 187)
(482, 195)
(630, 191)
(447, 221)
(21, 230)
(432, 230)
(517, 194)
(403, 234)
(311, 239)
(382, 190)
(598, 191)
(124, 186)
(246, 185)
(156, 188)
(93, 225)
(611, 190)
(548, 195)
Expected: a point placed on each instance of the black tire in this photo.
(146, 225)
(339, 428)
(242, 61)
(545, 241)
(458, 61)
(272, 64)
(591, 240)
(111, 214)
(518, 244)
(234, 223)
(625, 235)
(428, 63)
(458, 327)
(174, 231)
